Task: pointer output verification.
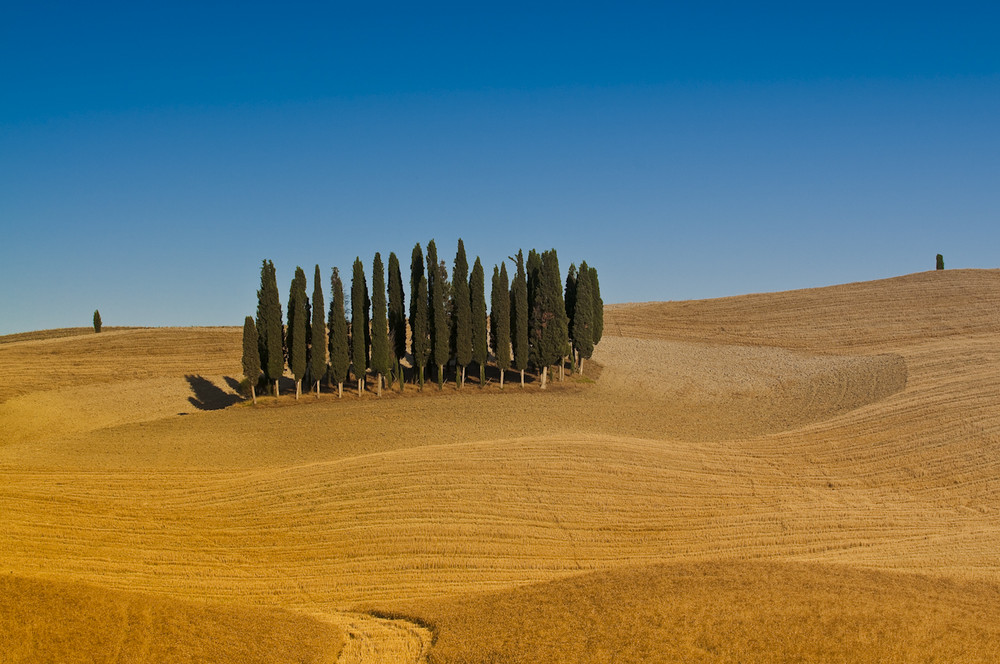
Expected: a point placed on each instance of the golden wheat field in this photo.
(802, 476)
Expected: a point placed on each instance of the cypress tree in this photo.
(298, 324)
(269, 326)
(437, 286)
(549, 331)
(583, 321)
(519, 320)
(397, 317)
(461, 315)
(381, 361)
(317, 340)
(534, 271)
(598, 318)
(477, 303)
(359, 320)
(97, 321)
(939, 265)
(419, 325)
(500, 319)
(340, 355)
(571, 287)
(251, 356)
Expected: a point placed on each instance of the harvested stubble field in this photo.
(802, 476)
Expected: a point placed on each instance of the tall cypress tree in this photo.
(461, 314)
(571, 287)
(500, 319)
(549, 331)
(298, 323)
(437, 286)
(381, 353)
(359, 321)
(340, 354)
(97, 322)
(317, 340)
(397, 317)
(251, 356)
(534, 271)
(269, 326)
(477, 303)
(519, 320)
(595, 293)
(419, 324)
(583, 321)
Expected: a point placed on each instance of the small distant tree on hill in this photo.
(299, 323)
(340, 354)
(477, 303)
(461, 315)
(269, 327)
(519, 328)
(359, 321)
(397, 318)
(940, 264)
(317, 341)
(251, 356)
(500, 319)
(419, 324)
(97, 321)
(381, 361)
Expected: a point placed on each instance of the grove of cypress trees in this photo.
(340, 354)
(477, 304)
(298, 324)
(381, 354)
(437, 287)
(397, 317)
(317, 340)
(461, 315)
(97, 321)
(500, 319)
(251, 356)
(359, 320)
(519, 320)
(595, 293)
(419, 324)
(549, 331)
(583, 321)
(269, 326)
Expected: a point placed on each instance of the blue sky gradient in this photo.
(150, 157)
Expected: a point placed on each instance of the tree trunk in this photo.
(581, 366)
(275, 388)
(420, 378)
(253, 394)
(361, 385)
(340, 390)
(317, 389)
(462, 384)
(440, 376)
(545, 375)
(298, 389)
(501, 379)
(378, 385)
(522, 379)
(482, 375)
(562, 368)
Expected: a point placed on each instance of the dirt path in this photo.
(371, 640)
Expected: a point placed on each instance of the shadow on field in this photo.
(207, 396)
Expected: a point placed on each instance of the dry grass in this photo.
(848, 436)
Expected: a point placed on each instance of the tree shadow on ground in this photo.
(208, 396)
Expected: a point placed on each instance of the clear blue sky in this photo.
(152, 155)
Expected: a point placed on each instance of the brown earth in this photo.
(823, 443)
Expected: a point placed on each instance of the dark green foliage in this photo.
(438, 289)
(251, 354)
(97, 321)
(940, 265)
(269, 324)
(477, 303)
(381, 361)
(549, 329)
(297, 288)
(298, 324)
(582, 325)
(340, 355)
(534, 271)
(317, 340)
(571, 286)
(595, 293)
(419, 323)
(519, 330)
(359, 321)
(500, 317)
(461, 311)
(397, 314)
